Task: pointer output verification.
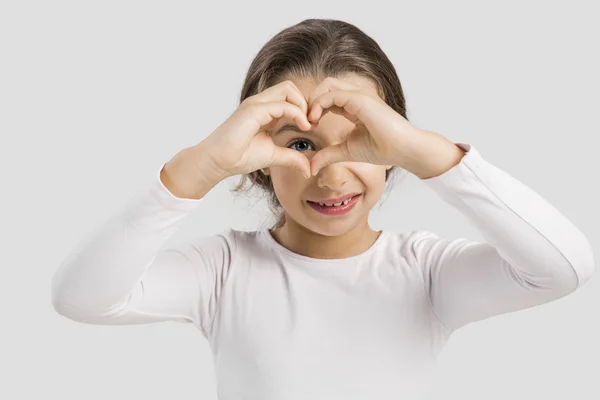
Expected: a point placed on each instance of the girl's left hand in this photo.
(379, 131)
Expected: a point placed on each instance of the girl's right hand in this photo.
(242, 143)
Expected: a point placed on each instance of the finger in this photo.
(344, 102)
(329, 155)
(329, 84)
(285, 157)
(284, 91)
(270, 113)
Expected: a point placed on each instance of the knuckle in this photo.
(247, 107)
(291, 109)
(246, 102)
(345, 151)
(290, 85)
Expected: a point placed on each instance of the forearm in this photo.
(191, 174)
(531, 253)
(101, 271)
(427, 154)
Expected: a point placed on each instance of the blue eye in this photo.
(300, 141)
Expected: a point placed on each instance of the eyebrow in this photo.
(294, 128)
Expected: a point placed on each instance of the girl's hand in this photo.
(242, 144)
(379, 131)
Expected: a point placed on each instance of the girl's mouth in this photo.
(335, 210)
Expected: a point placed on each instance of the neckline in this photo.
(274, 244)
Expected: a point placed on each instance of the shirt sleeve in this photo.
(532, 254)
(121, 274)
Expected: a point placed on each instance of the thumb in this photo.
(291, 158)
(329, 155)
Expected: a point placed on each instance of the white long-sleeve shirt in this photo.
(283, 326)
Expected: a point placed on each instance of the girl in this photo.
(320, 305)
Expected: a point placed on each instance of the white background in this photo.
(94, 96)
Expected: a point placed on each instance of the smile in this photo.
(336, 209)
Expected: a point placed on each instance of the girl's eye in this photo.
(301, 141)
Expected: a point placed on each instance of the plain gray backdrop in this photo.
(95, 96)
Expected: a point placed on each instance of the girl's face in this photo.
(335, 180)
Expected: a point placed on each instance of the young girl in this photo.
(321, 306)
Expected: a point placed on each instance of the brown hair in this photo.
(317, 48)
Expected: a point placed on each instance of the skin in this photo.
(306, 231)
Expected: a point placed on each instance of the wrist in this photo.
(204, 164)
(189, 175)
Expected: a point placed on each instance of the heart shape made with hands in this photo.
(379, 130)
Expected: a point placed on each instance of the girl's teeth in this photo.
(336, 204)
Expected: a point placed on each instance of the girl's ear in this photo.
(265, 171)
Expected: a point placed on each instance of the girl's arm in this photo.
(532, 254)
(121, 275)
